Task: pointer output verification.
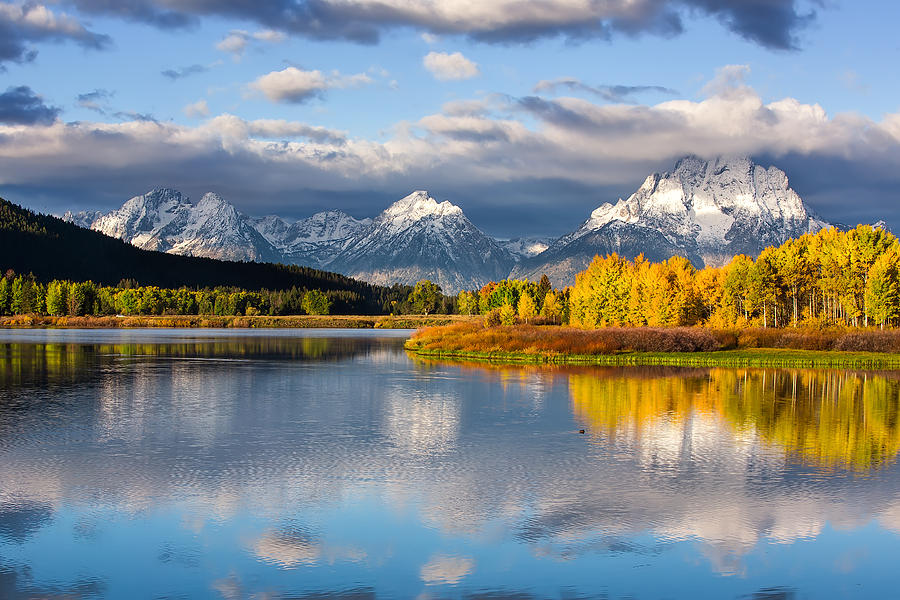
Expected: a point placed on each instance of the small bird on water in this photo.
(581, 431)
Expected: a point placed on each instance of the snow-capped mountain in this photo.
(84, 218)
(167, 221)
(313, 241)
(419, 238)
(707, 211)
(525, 247)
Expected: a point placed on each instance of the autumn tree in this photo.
(527, 308)
(425, 296)
(883, 288)
(315, 302)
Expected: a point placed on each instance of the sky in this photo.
(527, 114)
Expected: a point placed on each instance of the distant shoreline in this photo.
(234, 321)
(753, 357)
(677, 347)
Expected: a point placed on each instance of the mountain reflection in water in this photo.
(311, 464)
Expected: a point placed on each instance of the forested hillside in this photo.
(50, 248)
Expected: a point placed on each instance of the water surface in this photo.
(329, 464)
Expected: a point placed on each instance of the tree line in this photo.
(510, 301)
(24, 294)
(52, 249)
(848, 278)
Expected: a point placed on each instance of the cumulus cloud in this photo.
(21, 106)
(769, 23)
(728, 79)
(295, 86)
(230, 126)
(583, 152)
(237, 40)
(611, 93)
(447, 67)
(196, 110)
(23, 24)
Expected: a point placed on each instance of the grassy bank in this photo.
(688, 347)
(255, 322)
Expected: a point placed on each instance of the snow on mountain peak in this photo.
(705, 210)
(417, 206)
(703, 199)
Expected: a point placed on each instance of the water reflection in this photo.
(825, 418)
(336, 467)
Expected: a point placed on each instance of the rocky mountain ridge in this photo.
(707, 211)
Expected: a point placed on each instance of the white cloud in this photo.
(237, 128)
(22, 23)
(237, 40)
(197, 109)
(771, 23)
(488, 142)
(233, 43)
(728, 78)
(270, 35)
(39, 18)
(447, 67)
(295, 85)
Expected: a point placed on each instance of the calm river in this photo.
(329, 464)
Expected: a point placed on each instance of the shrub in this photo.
(492, 318)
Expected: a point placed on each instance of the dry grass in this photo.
(532, 339)
(474, 337)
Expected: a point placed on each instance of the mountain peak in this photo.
(692, 163)
(420, 238)
(419, 205)
(213, 201)
(706, 210)
(159, 195)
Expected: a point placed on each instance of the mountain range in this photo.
(705, 210)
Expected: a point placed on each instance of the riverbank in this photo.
(244, 322)
(682, 347)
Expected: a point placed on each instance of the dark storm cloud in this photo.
(611, 93)
(770, 23)
(842, 189)
(23, 25)
(21, 106)
(175, 74)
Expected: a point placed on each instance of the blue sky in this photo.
(293, 106)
